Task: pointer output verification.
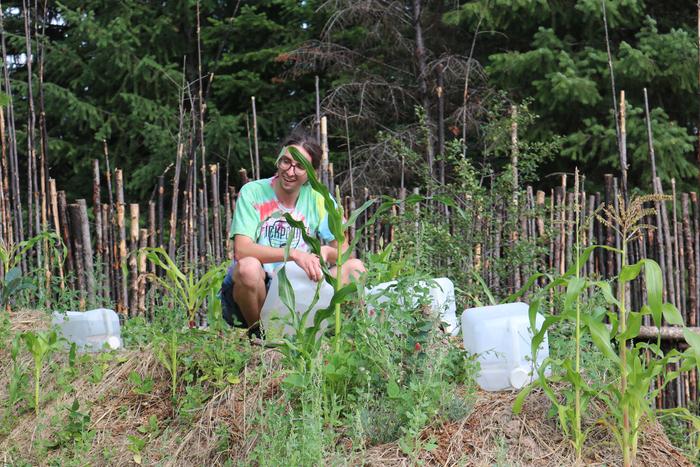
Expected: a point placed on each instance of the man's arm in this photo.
(244, 246)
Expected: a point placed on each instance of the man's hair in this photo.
(300, 137)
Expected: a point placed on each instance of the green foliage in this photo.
(13, 282)
(188, 291)
(116, 75)
(475, 198)
(166, 350)
(40, 344)
(643, 368)
(73, 430)
(143, 385)
(556, 55)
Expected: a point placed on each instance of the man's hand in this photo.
(310, 263)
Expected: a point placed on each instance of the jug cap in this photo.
(518, 377)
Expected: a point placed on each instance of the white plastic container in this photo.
(275, 315)
(92, 330)
(442, 299)
(501, 337)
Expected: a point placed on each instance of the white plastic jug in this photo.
(442, 299)
(89, 330)
(275, 315)
(501, 337)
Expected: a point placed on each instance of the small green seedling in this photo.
(166, 350)
(189, 292)
(40, 344)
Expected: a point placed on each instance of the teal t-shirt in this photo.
(259, 215)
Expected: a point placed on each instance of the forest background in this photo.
(396, 78)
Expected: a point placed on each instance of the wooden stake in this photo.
(242, 173)
(76, 235)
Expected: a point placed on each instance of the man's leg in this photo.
(249, 288)
(352, 269)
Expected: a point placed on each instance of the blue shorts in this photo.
(229, 308)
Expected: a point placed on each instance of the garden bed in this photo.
(118, 422)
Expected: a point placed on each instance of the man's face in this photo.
(291, 174)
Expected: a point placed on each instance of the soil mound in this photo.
(222, 430)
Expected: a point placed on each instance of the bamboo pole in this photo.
(57, 226)
(32, 192)
(609, 235)
(558, 195)
(667, 251)
(347, 143)
(5, 221)
(696, 243)
(120, 260)
(159, 225)
(152, 242)
(89, 267)
(591, 240)
(134, 216)
(690, 262)
(14, 164)
(440, 91)
(698, 91)
(65, 236)
(140, 278)
(324, 152)
(256, 174)
(515, 208)
(317, 120)
(97, 209)
(216, 208)
(172, 238)
(108, 279)
(250, 145)
(204, 205)
(201, 228)
(676, 250)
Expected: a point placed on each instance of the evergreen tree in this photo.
(555, 52)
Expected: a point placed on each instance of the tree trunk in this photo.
(423, 82)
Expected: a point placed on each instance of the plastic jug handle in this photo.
(514, 342)
(108, 322)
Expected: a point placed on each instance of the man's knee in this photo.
(249, 272)
(353, 267)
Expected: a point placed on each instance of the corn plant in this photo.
(188, 291)
(629, 399)
(40, 344)
(338, 226)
